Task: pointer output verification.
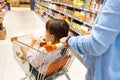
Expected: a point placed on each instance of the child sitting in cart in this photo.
(55, 29)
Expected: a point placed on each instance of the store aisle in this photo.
(17, 22)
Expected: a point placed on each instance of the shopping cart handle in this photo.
(51, 47)
(14, 38)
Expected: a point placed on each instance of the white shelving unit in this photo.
(84, 22)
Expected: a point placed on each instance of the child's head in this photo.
(56, 29)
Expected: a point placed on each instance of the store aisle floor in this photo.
(17, 22)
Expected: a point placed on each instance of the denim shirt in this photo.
(101, 49)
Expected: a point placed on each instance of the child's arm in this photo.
(33, 42)
(26, 49)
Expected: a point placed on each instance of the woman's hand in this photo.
(64, 41)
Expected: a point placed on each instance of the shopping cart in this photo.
(48, 69)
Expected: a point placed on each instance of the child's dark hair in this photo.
(58, 27)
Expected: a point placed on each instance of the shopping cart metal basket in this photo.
(49, 69)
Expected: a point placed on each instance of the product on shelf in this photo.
(72, 33)
(82, 11)
(15, 3)
(59, 16)
(93, 5)
(79, 3)
(49, 18)
(36, 10)
(68, 20)
(24, 3)
(90, 17)
(3, 10)
(41, 13)
(1, 25)
(2, 31)
(69, 10)
(84, 30)
(59, 7)
(79, 15)
(87, 17)
(80, 28)
(2, 34)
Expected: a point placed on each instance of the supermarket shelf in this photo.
(75, 31)
(40, 17)
(4, 5)
(47, 13)
(24, 3)
(84, 22)
(37, 6)
(44, 5)
(55, 17)
(88, 24)
(76, 7)
(92, 11)
(50, 15)
(62, 4)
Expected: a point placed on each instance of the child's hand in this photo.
(43, 41)
(33, 42)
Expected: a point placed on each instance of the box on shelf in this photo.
(3, 33)
(15, 4)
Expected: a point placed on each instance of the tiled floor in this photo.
(19, 21)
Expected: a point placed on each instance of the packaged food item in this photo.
(2, 31)
(92, 18)
(1, 25)
(87, 17)
(79, 15)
